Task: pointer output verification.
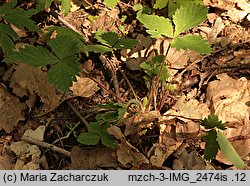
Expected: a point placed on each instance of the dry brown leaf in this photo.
(228, 96)
(27, 80)
(36, 134)
(190, 161)
(24, 150)
(93, 158)
(139, 121)
(10, 110)
(127, 154)
(84, 87)
(189, 108)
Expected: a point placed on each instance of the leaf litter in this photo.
(219, 93)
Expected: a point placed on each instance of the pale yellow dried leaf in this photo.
(36, 134)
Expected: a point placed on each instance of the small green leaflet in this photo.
(65, 6)
(7, 34)
(98, 48)
(212, 146)
(112, 40)
(88, 138)
(18, 16)
(34, 56)
(196, 43)
(187, 17)
(228, 150)
(159, 4)
(110, 3)
(42, 4)
(156, 25)
(213, 121)
(64, 61)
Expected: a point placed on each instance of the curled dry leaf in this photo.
(127, 154)
(84, 87)
(10, 110)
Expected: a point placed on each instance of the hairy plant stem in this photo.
(155, 82)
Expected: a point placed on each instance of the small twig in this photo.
(155, 81)
(108, 64)
(129, 84)
(78, 114)
(67, 136)
(66, 23)
(103, 87)
(46, 145)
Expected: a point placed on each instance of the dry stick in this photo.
(129, 84)
(154, 86)
(103, 87)
(107, 63)
(67, 136)
(66, 23)
(46, 145)
(78, 114)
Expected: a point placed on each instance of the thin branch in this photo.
(46, 145)
(78, 114)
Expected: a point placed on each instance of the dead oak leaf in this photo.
(84, 87)
(27, 80)
(10, 110)
(127, 154)
(93, 158)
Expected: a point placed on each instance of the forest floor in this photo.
(168, 135)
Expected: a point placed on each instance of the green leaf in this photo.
(99, 48)
(65, 6)
(34, 56)
(212, 146)
(196, 43)
(42, 4)
(7, 35)
(171, 9)
(108, 140)
(228, 150)
(107, 38)
(124, 43)
(159, 4)
(187, 17)
(95, 127)
(156, 25)
(61, 31)
(110, 3)
(64, 46)
(213, 121)
(63, 73)
(137, 7)
(18, 16)
(88, 138)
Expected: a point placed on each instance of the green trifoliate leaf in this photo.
(156, 25)
(18, 16)
(63, 73)
(34, 56)
(212, 146)
(110, 3)
(228, 150)
(108, 140)
(159, 4)
(213, 121)
(64, 46)
(98, 48)
(88, 138)
(65, 6)
(61, 31)
(124, 43)
(107, 38)
(196, 43)
(187, 17)
(7, 35)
